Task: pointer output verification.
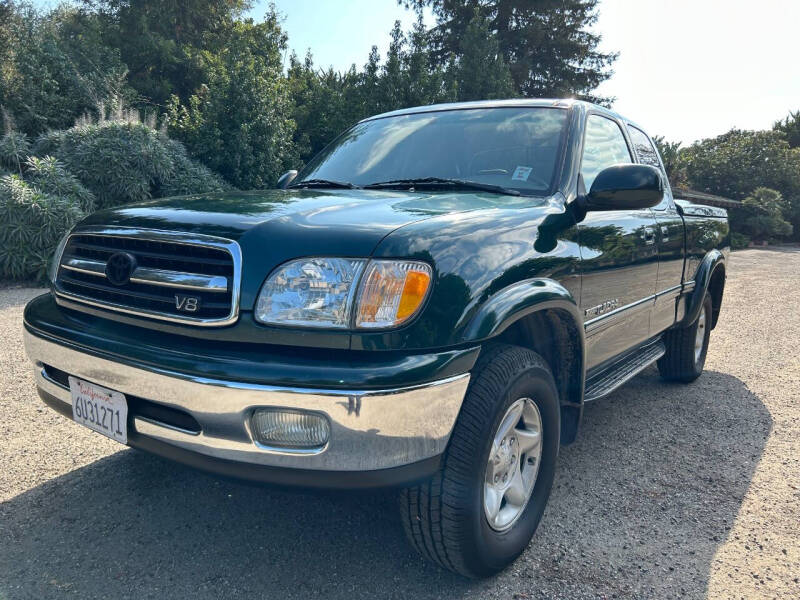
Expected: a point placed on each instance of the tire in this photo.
(444, 518)
(683, 361)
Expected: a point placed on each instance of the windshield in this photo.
(515, 148)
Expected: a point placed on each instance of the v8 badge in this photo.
(187, 303)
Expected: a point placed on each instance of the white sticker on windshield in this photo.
(521, 173)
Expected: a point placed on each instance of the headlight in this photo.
(55, 260)
(333, 293)
(311, 292)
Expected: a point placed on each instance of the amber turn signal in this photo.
(392, 292)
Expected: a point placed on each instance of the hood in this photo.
(273, 226)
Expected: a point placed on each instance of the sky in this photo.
(688, 69)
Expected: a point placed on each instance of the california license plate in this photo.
(99, 408)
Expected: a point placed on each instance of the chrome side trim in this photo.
(670, 290)
(175, 237)
(608, 319)
(370, 429)
(688, 286)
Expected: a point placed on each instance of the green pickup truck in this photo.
(427, 305)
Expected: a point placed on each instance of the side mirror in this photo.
(625, 187)
(286, 179)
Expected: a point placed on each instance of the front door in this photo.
(670, 239)
(619, 256)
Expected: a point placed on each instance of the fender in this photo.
(525, 298)
(701, 280)
(518, 300)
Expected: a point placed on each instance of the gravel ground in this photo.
(671, 491)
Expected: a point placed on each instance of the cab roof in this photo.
(510, 103)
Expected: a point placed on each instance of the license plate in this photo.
(99, 408)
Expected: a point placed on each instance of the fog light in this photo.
(284, 428)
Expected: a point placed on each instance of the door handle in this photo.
(664, 233)
(649, 235)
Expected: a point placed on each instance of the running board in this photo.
(624, 370)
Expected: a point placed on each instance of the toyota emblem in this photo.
(119, 268)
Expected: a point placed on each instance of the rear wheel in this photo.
(687, 348)
(479, 512)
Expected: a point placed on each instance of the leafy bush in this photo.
(33, 223)
(739, 241)
(736, 163)
(14, 150)
(49, 175)
(768, 222)
(124, 162)
(118, 162)
(189, 176)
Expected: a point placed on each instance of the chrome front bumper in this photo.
(370, 430)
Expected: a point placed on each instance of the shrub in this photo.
(50, 176)
(122, 162)
(118, 162)
(189, 176)
(768, 221)
(14, 150)
(739, 241)
(33, 223)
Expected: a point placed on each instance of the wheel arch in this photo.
(710, 277)
(541, 315)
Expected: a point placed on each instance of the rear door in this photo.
(669, 239)
(619, 257)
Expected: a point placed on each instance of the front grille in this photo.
(192, 279)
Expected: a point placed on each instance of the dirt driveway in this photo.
(670, 492)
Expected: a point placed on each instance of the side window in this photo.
(603, 146)
(648, 155)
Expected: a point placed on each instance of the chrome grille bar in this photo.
(184, 281)
(92, 267)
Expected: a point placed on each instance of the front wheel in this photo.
(480, 511)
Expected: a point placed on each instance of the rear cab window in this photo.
(648, 155)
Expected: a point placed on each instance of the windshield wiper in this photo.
(325, 183)
(436, 181)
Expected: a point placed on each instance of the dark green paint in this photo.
(495, 259)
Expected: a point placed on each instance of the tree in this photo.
(547, 44)
(671, 156)
(324, 103)
(480, 71)
(239, 124)
(790, 128)
(425, 76)
(54, 67)
(165, 43)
